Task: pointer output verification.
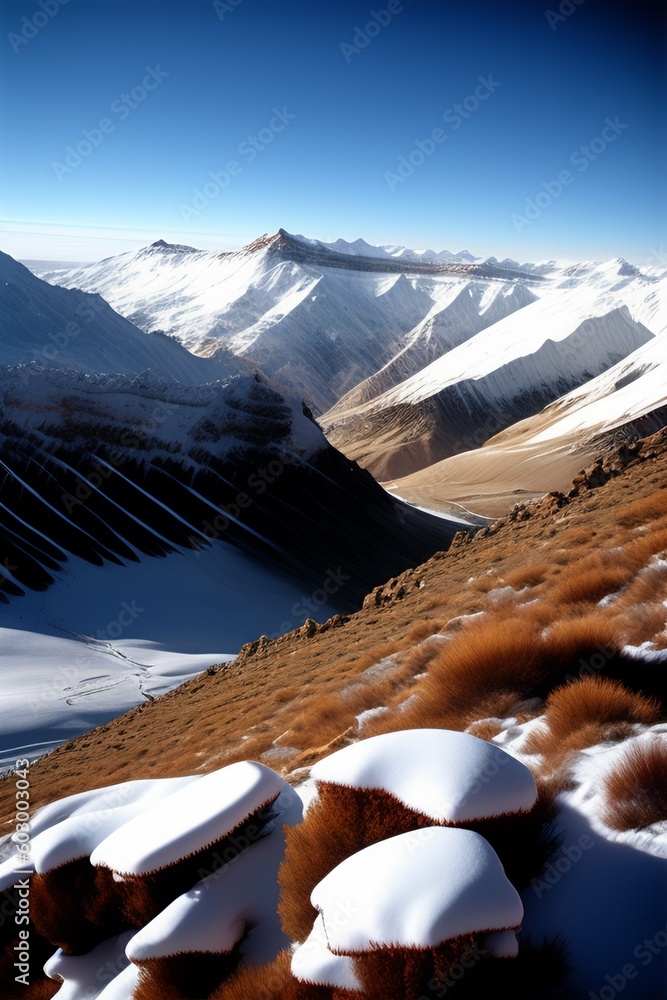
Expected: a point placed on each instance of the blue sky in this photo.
(116, 114)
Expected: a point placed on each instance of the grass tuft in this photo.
(635, 792)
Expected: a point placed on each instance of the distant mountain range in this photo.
(412, 358)
(156, 509)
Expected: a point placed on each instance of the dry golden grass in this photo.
(531, 575)
(589, 586)
(500, 661)
(267, 982)
(635, 792)
(184, 977)
(597, 699)
(588, 712)
(485, 729)
(648, 587)
(644, 510)
(642, 623)
(638, 552)
(342, 822)
(488, 667)
(422, 630)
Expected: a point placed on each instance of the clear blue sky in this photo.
(347, 119)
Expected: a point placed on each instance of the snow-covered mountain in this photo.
(575, 326)
(61, 328)
(154, 517)
(546, 452)
(316, 318)
(361, 248)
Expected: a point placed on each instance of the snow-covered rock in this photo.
(79, 835)
(449, 776)
(93, 974)
(193, 818)
(218, 912)
(416, 891)
(312, 962)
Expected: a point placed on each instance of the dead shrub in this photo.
(643, 510)
(185, 976)
(589, 587)
(142, 897)
(590, 710)
(635, 792)
(422, 630)
(342, 822)
(73, 910)
(273, 981)
(526, 576)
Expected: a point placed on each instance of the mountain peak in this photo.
(162, 247)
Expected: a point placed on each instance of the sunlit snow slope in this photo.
(586, 320)
(153, 520)
(317, 318)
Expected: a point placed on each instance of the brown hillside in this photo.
(289, 701)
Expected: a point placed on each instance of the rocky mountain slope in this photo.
(315, 319)
(544, 635)
(580, 326)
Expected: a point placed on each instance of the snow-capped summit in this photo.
(65, 328)
(317, 317)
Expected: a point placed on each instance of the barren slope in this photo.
(295, 682)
